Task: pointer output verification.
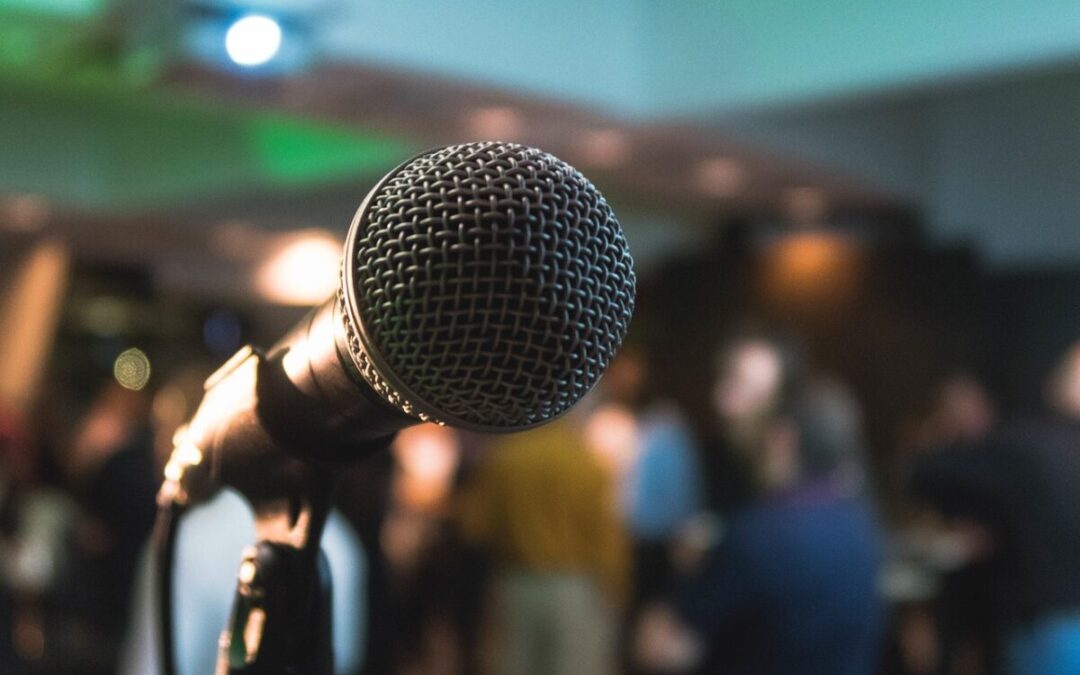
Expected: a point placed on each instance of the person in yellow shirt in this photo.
(544, 507)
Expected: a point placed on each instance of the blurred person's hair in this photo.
(829, 425)
(755, 372)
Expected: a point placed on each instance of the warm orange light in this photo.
(303, 271)
(28, 320)
(811, 267)
(808, 257)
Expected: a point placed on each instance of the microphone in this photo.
(485, 286)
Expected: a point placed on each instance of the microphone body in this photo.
(486, 286)
(299, 402)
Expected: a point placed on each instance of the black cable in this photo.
(166, 529)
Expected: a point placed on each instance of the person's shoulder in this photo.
(784, 514)
(755, 523)
(754, 540)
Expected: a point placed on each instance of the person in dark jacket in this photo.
(792, 585)
(1021, 487)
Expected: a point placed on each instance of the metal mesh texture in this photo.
(493, 281)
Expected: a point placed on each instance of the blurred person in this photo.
(430, 582)
(56, 624)
(962, 412)
(1015, 495)
(661, 490)
(792, 585)
(611, 426)
(544, 507)
(364, 497)
(664, 486)
(611, 434)
(664, 491)
(14, 451)
(109, 466)
(663, 501)
(755, 372)
(38, 520)
(954, 630)
(756, 369)
(210, 541)
(650, 445)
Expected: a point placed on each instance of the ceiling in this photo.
(125, 117)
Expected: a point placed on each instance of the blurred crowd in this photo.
(629, 536)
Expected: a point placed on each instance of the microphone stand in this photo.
(281, 620)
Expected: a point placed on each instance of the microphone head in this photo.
(485, 285)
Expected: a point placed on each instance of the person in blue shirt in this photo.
(663, 491)
(792, 586)
(661, 495)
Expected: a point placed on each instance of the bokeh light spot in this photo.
(253, 40)
(132, 369)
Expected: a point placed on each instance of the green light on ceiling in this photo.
(94, 141)
(18, 45)
(297, 152)
(80, 9)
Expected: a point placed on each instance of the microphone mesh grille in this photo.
(492, 282)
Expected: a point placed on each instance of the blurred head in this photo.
(611, 434)
(427, 458)
(624, 380)
(963, 411)
(818, 434)
(755, 371)
(114, 415)
(749, 382)
(1063, 387)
